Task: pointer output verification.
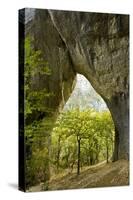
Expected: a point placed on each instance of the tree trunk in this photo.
(119, 108)
(107, 152)
(78, 164)
(58, 153)
(97, 153)
(91, 158)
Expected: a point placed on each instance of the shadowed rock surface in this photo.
(95, 45)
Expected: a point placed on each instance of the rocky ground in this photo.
(101, 175)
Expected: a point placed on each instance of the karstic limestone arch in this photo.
(95, 45)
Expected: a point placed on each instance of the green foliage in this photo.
(35, 67)
(36, 134)
(95, 130)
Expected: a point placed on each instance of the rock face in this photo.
(95, 45)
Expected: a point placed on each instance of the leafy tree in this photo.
(92, 131)
(36, 131)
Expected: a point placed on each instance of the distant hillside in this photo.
(84, 96)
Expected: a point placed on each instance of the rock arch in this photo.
(95, 45)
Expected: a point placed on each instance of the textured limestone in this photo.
(95, 45)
